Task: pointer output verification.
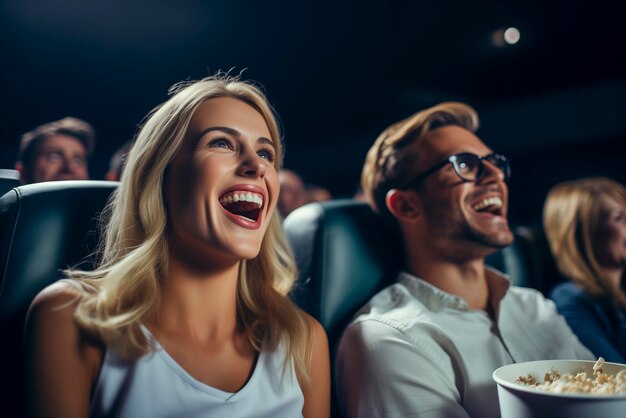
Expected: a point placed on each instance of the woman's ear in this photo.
(404, 205)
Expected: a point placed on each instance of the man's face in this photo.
(58, 157)
(463, 219)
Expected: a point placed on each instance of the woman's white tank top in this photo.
(156, 386)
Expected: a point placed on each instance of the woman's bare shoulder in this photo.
(53, 311)
(51, 323)
(316, 391)
(64, 359)
(59, 299)
(316, 329)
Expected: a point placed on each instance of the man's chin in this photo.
(495, 240)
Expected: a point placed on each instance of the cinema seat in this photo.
(44, 227)
(345, 254)
(8, 180)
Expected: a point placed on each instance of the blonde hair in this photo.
(391, 162)
(570, 220)
(126, 287)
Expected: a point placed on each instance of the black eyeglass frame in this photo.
(497, 160)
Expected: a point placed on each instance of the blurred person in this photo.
(117, 162)
(293, 194)
(358, 195)
(585, 224)
(317, 193)
(427, 345)
(57, 150)
(187, 314)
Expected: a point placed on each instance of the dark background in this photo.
(338, 73)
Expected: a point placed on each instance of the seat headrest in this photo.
(45, 227)
(8, 180)
(345, 253)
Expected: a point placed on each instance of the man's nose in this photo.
(491, 173)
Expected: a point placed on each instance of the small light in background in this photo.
(502, 38)
(511, 36)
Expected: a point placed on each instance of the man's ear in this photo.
(404, 204)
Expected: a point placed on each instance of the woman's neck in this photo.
(199, 303)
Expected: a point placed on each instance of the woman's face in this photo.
(609, 240)
(222, 187)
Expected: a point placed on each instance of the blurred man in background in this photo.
(117, 162)
(293, 194)
(57, 150)
(318, 193)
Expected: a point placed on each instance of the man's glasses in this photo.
(469, 167)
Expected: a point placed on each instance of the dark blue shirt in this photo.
(601, 329)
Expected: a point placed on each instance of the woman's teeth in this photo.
(240, 196)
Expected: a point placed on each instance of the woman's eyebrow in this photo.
(235, 133)
(225, 129)
(264, 140)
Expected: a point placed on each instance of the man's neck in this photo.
(466, 280)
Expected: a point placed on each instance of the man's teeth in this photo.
(242, 197)
(490, 201)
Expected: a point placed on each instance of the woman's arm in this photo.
(590, 324)
(62, 364)
(317, 390)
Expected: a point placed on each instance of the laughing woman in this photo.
(585, 223)
(187, 313)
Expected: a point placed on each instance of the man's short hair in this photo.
(69, 126)
(392, 161)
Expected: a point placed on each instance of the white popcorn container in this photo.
(519, 401)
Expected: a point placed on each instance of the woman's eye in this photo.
(221, 143)
(266, 154)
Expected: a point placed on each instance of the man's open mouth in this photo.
(243, 203)
(492, 205)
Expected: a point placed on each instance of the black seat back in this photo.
(345, 254)
(44, 227)
(8, 180)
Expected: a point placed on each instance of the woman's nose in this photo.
(252, 166)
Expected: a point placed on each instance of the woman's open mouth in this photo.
(243, 206)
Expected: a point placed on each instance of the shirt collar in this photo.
(436, 299)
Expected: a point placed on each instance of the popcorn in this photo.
(602, 384)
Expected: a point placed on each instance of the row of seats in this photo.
(345, 254)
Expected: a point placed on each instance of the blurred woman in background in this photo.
(585, 224)
(187, 313)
